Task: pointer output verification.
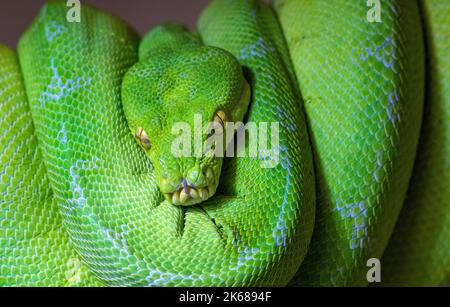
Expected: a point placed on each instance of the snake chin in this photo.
(187, 196)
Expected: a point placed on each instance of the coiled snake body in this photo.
(84, 204)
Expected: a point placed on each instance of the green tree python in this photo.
(93, 193)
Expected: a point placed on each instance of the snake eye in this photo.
(220, 117)
(142, 138)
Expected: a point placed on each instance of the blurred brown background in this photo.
(16, 15)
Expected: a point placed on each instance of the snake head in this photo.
(175, 101)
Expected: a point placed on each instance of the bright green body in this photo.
(362, 84)
(82, 203)
(104, 185)
(418, 252)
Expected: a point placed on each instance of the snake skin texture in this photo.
(34, 251)
(80, 199)
(362, 84)
(103, 185)
(419, 250)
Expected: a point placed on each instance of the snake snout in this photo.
(188, 194)
(191, 189)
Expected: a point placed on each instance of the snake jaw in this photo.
(189, 195)
(197, 184)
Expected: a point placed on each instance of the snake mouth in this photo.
(188, 194)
